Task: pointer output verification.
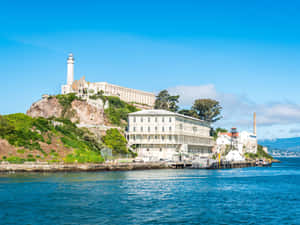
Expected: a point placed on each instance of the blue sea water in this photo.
(231, 196)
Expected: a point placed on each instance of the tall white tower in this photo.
(70, 73)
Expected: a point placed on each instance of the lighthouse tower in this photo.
(67, 88)
(70, 73)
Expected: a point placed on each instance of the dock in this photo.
(212, 164)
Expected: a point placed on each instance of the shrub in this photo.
(116, 141)
(66, 101)
(15, 159)
(21, 151)
(118, 110)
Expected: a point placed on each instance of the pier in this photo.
(212, 164)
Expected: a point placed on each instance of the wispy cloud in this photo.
(238, 110)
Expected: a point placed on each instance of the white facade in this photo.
(246, 142)
(85, 89)
(163, 135)
(70, 71)
(234, 155)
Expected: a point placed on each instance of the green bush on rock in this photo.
(116, 141)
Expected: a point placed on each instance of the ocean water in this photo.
(232, 196)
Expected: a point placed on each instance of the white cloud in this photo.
(238, 110)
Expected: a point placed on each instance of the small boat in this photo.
(263, 163)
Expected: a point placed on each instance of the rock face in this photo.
(82, 112)
(87, 114)
(47, 107)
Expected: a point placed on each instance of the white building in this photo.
(85, 89)
(234, 155)
(163, 135)
(246, 142)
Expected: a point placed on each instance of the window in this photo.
(155, 128)
(155, 119)
(170, 128)
(149, 119)
(155, 137)
(160, 149)
(134, 129)
(134, 119)
(147, 149)
(141, 119)
(149, 137)
(163, 119)
(163, 137)
(180, 126)
(170, 119)
(142, 129)
(170, 137)
(163, 129)
(148, 129)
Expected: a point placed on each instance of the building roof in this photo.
(162, 112)
(227, 134)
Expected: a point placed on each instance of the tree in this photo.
(5, 127)
(218, 130)
(166, 101)
(188, 112)
(207, 109)
(115, 140)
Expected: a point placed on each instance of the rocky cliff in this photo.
(83, 112)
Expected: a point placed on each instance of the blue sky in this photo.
(245, 54)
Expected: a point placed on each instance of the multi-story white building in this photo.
(85, 89)
(163, 135)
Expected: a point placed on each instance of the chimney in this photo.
(254, 123)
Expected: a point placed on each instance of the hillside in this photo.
(97, 110)
(49, 131)
(23, 138)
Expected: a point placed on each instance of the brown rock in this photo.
(47, 107)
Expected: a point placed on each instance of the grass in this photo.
(23, 131)
(259, 154)
(118, 110)
(66, 101)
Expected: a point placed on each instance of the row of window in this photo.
(162, 129)
(149, 129)
(154, 137)
(150, 119)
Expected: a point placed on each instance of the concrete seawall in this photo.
(55, 167)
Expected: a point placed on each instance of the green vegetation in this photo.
(86, 148)
(84, 156)
(21, 151)
(15, 159)
(117, 111)
(166, 101)
(66, 101)
(116, 141)
(218, 130)
(259, 154)
(207, 109)
(21, 130)
(24, 131)
(188, 112)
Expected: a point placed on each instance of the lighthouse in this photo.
(70, 69)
